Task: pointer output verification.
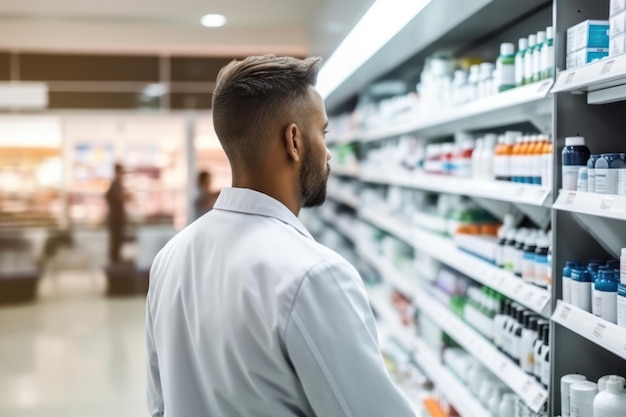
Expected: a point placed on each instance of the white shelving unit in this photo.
(603, 80)
(531, 392)
(533, 195)
(444, 250)
(350, 200)
(513, 106)
(605, 334)
(601, 205)
(451, 388)
(343, 138)
(342, 228)
(352, 171)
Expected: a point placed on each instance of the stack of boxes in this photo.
(617, 42)
(587, 41)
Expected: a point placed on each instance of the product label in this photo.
(621, 181)
(519, 70)
(528, 267)
(506, 74)
(537, 64)
(596, 305)
(528, 66)
(548, 62)
(570, 177)
(541, 270)
(591, 180)
(603, 185)
(581, 295)
(545, 372)
(621, 311)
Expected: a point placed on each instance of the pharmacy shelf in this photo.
(350, 200)
(351, 171)
(518, 105)
(604, 80)
(338, 225)
(601, 205)
(533, 195)
(446, 252)
(603, 333)
(342, 139)
(396, 279)
(451, 388)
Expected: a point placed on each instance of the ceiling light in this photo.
(213, 20)
(383, 20)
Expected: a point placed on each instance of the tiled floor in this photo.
(73, 352)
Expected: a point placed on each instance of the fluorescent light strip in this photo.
(383, 20)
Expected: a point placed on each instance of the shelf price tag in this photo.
(599, 330)
(569, 200)
(570, 78)
(538, 401)
(565, 312)
(526, 387)
(606, 203)
(606, 68)
(543, 87)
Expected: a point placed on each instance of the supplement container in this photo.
(574, 156)
(622, 266)
(607, 169)
(605, 296)
(522, 44)
(612, 401)
(581, 289)
(591, 172)
(567, 280)
(566, 383)
(505, 66)
(621, 305)
(603, 381)
(582, 394)
(582, 183)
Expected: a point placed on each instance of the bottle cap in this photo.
(615, 385)
(532, 40)
(522, 43)
(541, 36)
(545, 337)
(550, 32)
(623, 251)
(507, 48)
(618, 380)
(583, 390)
(575, 141)
(581, 275)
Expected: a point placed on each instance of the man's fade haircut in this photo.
(252, 92)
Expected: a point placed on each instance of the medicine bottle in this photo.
(574, 156)
(505, 66)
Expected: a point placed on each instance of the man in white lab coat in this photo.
(247, 315)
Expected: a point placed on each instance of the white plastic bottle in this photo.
(476, 159)
(582, 394)
(522, 44)
(547, 54)
(537, 52)
(537, 346)
(566, 383)
(529, 335)
(505, 67)
(528, 59)
(488, 155)
(612, 402)
(507, 405)
(602, 382)
(547, 166)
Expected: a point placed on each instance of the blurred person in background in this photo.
(247, 315)
(116, 197)
(205, 199)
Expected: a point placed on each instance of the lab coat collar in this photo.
(244, 200)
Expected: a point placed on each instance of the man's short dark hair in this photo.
(251, 93)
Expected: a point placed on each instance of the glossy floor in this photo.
(73, 352)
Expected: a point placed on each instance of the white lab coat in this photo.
(248, 316)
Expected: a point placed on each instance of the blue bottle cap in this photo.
(581, 275)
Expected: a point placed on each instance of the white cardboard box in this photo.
(584, 56)
(588, 34)
(617, 6)
(617, 24)
(617, 44)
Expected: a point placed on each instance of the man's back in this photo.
(241, 319)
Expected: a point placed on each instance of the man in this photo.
(116, 221)
(205, 199)
(247, 315)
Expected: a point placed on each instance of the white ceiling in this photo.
(298, 27)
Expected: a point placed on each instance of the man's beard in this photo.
(312, 181)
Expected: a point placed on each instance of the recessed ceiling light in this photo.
(213, 20)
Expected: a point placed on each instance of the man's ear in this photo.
(293, 142)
